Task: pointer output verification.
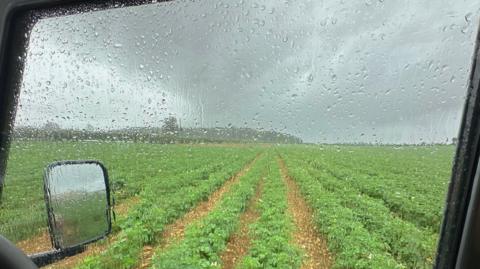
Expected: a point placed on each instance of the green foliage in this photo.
(377, 206)
(373, 189)
(205, 240)
(161, 205)
(272, 245)
(353, 245)
(411, 181)
(408, 243)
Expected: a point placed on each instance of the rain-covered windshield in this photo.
(247, 134)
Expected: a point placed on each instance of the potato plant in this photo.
(205, 240)
(375, 206)
(160, 206)
(272, 244)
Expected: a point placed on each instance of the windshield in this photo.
(247, 134)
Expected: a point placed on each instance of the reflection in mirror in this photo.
(77, 202)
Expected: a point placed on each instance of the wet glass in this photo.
(77, 200)
(348, 111)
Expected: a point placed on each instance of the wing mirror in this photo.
(77, 197)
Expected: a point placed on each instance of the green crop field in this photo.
(372, 206)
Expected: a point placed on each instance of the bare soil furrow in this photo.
(239, 242)
(175, 231)
(306, 235)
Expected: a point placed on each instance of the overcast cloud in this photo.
(326, 71)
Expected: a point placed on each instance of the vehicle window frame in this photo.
(457, 221)
(16, 20)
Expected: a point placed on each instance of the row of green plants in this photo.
(378, 207)
(205, 240)
(411, 181)
(409, 244)
(163, 201)
(271, 235)
(351, 243)
(130, 166)
(402, 197)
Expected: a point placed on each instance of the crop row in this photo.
(420, 209)
(407, 171)
(409, 244)
(205, 240)
(271, 234)
(131, 166)
(353, 244)
(158, 208)
(431, 165)
(416, 199)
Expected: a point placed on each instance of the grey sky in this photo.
(76, 178)
(326, 71)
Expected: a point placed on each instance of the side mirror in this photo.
(77, 197)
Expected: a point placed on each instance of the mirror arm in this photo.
(112, 207)
(48, 257)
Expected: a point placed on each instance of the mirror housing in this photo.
(78, 202)
(77, 198)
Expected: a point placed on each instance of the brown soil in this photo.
(230, 145)
(239, 242)
(121, 210)
(306, 235)
(175, 231)
(38, 243)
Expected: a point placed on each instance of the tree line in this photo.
(170, 132)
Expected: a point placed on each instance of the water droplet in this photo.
(468, 17)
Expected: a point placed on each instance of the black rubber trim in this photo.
(49, 257)
(469, 245)
(463, 173)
